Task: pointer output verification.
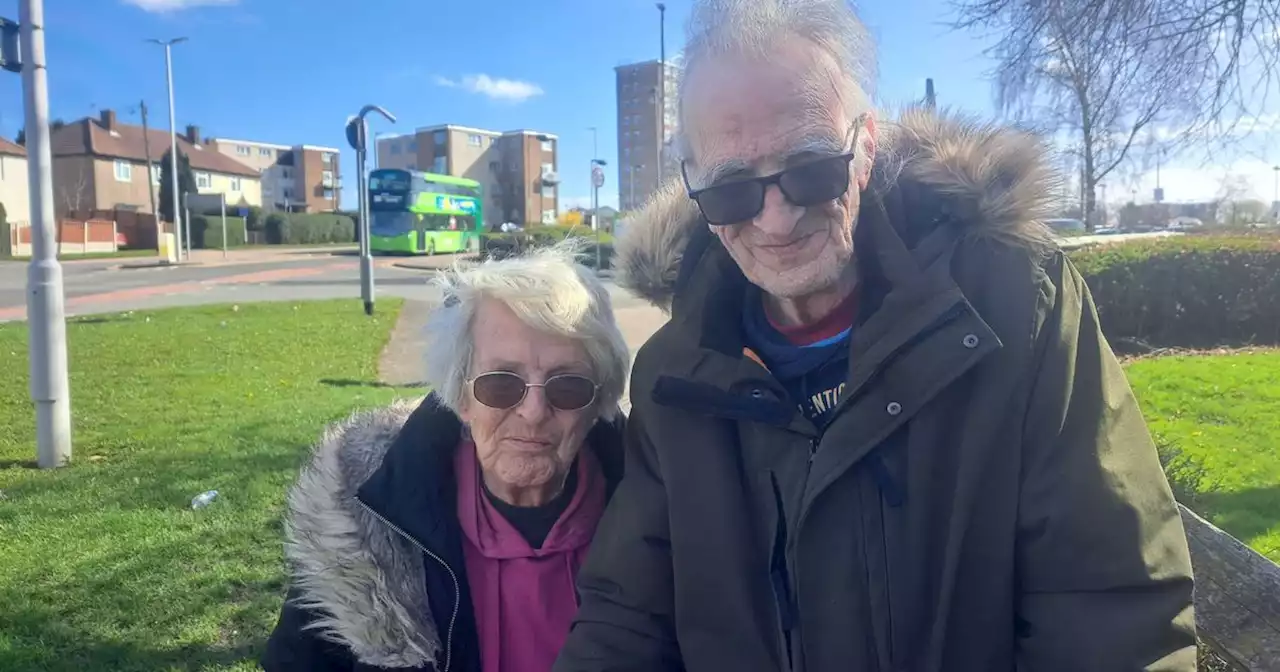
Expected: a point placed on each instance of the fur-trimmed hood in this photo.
(373, 541)
(361, 577)
(995, 181)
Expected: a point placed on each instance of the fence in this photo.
(137, 229)
(74, 237)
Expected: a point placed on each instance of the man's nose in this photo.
(779, 216)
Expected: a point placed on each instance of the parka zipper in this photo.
(457, 589)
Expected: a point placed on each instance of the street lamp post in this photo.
(358, 137)
(46, 318)
(597, 181)
(1275, 197)
(173, 143)
(662, 84)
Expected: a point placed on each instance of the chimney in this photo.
(108, 119)
(193, 134)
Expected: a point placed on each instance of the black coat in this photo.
(375, 549)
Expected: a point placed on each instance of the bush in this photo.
(206, 232)
(1189, 291)
(309, 229)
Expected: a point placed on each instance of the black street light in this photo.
(357, 136)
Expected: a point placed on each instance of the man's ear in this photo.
(868, 139)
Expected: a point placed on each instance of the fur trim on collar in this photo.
(362, 578)
(996, 180)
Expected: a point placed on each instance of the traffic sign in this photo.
(597, 176)
(244, 212)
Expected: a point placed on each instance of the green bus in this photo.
(412, 212)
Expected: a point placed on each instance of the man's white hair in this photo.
(550, 292)
(756, 27)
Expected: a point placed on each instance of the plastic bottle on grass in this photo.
(204, 499)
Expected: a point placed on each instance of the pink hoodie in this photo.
(524, 598)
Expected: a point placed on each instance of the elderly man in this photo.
(882, 429)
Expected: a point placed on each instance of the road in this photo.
(102, 286)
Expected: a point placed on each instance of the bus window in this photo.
(384, 223)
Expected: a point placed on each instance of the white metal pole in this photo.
(366, 249)
(173, 153)
(46, 319)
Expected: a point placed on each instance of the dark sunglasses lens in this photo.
(498, 389)
(570, 393)
(731, 203)
(817, 182)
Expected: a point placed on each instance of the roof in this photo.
(89, 136)
(9, 148)
(253, 143)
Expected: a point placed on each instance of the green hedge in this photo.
(206, 232)
(309, 229)
(505, 245)
(1188, 291)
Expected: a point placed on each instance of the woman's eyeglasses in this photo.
(805, 185)
(504, 390)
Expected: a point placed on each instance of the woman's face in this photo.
(525, 451)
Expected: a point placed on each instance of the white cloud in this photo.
(495, 88)
(164, 6)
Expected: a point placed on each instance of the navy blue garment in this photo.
(813, 375)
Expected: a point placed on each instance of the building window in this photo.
(548, 146)
(548, 168)
(438, 137)
(203, 181)
(326, 158)
(548, 216)
(413, 147)
(440, 166)
(326, 178)
(288, 193)
(395, 149)
(242, 150)
(475, 140)
(264, 151)
(124, 171)
(155, 174)
(548, 191)
(235, 184)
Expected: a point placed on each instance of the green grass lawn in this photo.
(103, 565)
(1219, 413)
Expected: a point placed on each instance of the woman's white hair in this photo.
(550, 292)
(756, 27)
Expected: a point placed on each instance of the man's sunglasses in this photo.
(805, 185)
(504, 390)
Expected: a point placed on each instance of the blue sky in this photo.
(291, 71)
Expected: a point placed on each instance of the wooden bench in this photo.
(1237, 597)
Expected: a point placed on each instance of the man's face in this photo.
(749, 118)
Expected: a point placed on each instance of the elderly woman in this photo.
(447, 537)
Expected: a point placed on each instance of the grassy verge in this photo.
(1217, 414)
(103, 565)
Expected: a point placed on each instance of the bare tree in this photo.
(74, 187)
(1084, 67)
(1228, 51)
